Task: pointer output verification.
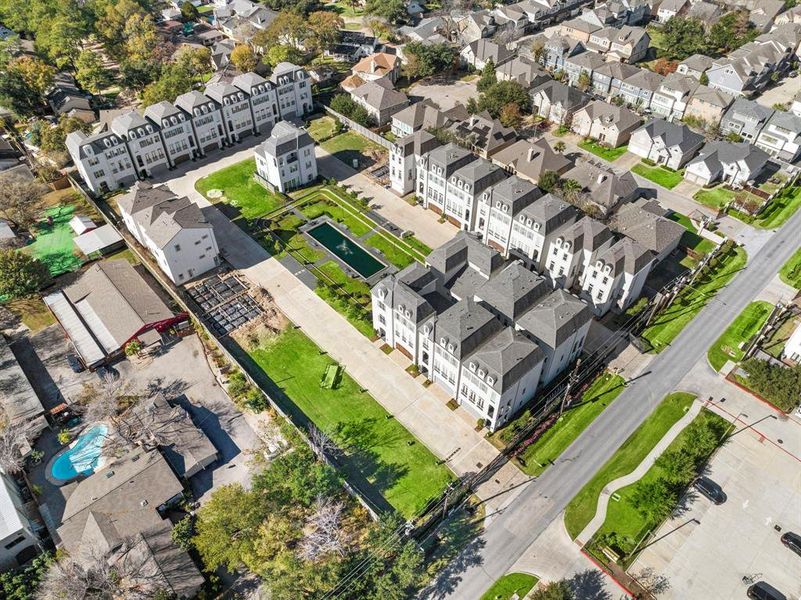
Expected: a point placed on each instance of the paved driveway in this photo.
(782, 93)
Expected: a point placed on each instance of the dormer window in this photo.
(481, 373)
(472, 366)
(491, 380)
(450, 348)
(442, 342)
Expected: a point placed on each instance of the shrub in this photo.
(779, 385)
(64, 437)
(237, 384)
(133, 347)
(183, 532)
(255, 400)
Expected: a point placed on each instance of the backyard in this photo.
(790, 272)
(605, 152)
(630, 517)
(581, 509)
(511, 585)
(716, 197)
(718, 273)
(240, 190)
(601, 393)
(375, 448)
(663, 176)
(747, 324)
(350, 146)
(322, 128)
(52, 241)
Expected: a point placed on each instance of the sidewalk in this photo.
(635, 475)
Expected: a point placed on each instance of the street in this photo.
(519, 524)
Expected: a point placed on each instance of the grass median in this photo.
(742, 329)
(582, 507)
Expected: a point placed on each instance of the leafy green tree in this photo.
(60, 40)
(324, 27)
(654, 499)
(183, 532)
(584, 81)
(91, 73)
(732, 31)
(678, 466)
(243, 58)
(424, 60)
(282, 53)
(17, 96)
(488, 77)
(510, 115)
(288, 27)
(345, 105)
(549, 180)
(189, 12)
(194, 61)
(498, 95)
(173, 82)
(21, 274)
(37, 74)
(556, 590)
(777, 384)
(52, 138)
(704, 79)
(393, 11)
(683, 37)
(302, 7)
(22, 583)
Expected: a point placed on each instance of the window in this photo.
(14, 542)
(177, 247)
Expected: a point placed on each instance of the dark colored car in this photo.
(792, 541)
(75, 364)
(764, 591)
(710, 490)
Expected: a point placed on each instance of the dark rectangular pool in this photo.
(356, 257)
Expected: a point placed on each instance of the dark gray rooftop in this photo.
(555, 318)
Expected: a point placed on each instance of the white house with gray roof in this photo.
(674, 93)
(234, 107)
(206, 120)
(263, 100)
(731, 163)
(403, 159)
(616, 277)
(781, 136)
(669, 144)
(434, 171)
(646, 222)
(536, 226)
(497, 208)
(609, 124)
(293, 89)
(573, 249)
(286, 160)
(746, 118)
(380, 99)
(176, 131)
(103, 160)
(143, 141)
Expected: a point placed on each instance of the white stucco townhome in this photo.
(285, 161)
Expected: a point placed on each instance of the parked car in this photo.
(710, 490)
(792, 541)
(75, 363)
(764, 591)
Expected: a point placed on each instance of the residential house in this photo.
(559, 48)
(497, 208)
(557, 102)
(293, 89)
(781, 136)
(478, 53)
(747, 69)
(524, 71)
(428, 31)
(20, 405)
(645, 222)
(102, 160)
(765, 12)
(629, 44)
(745, 118)
(695, 65)
(664, 143)
(380, 100)
(66, 99)
(109, 305)
(511, 21)
(583, 63)
(240, 19)
(616, 277)
(19, 541)
(604, 188)
(674, 93)
(609, 124)
(175, 128)
(473, 26)
(417, 116)
(578, 29)
(608, 78)
(174, 230)
(536, 226)
(377, 66)
(434, 170)
(605, 15)
(263, 100)
(734, 164)
(671, 8)
(708, 105)
(285, 161)
(143, 141)
(403, 159)
(234, 107)
(638, 89)
(574, 249)
(530, 160)
(706, 12)
(206, 120)
(221, 53)
(790, 16)
(352, 46)
(463, 189)
(485, 135)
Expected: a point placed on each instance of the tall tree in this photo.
(20, 199)
(654, 499)
(91, 73)
(424, 60)
(21, 274)
(393, 11)
(556, 590)
(488, 76)
(683, 37)
(324, 27)
(189, 12)
(194, 61)
(37, 74)
(287, 28)
(243, 58)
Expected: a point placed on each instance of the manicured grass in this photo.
(553, 442)
(684, 221)
(53, 243)
(659, 175)
(322, 128)
(623, 520)
(355, 287)
(781, 208)
(394, 254)
(240, 189)
(715, 197)
(581, 509)
(377, 448)
(509, 585)
(350, 145)
(605, 152)
(126, 254)
(690, 302)
(790, 272)
(700, 247)
(742, 329)
(358, 225)
(32, 312)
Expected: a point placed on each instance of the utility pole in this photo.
(570, 383)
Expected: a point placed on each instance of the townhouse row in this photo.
(138, 146)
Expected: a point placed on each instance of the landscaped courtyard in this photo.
(350, 146)
(605, 152)
(667, 178)
(378, 453)
(236, 187)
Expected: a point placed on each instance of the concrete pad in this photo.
(777, 291)
(446, 95)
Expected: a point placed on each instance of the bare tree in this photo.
(13, 438)
(325, 534)
(652, 582)
(20, 199)
(321, 442)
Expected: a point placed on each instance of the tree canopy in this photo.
(498, 95)
(21, 274)
(424, 60)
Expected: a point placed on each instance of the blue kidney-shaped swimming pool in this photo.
(83, 457)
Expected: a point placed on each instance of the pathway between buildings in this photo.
(637, 474)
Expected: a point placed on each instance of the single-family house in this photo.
(781, 136)
(638, 89)
(670, 8)
(695, 65)
(609, 124)
(586, 63)
(731, 163)
(524, 71)
(478, 53)
(417, 116)
(484, 134)
(557, 102)
(707, 105)
(645, 222)
(378, 66)
(380, 99)
(665, 143)
(603, 187)
(745, 118)
(764, 13)
(629, 44)
(530, 160)
(285, 161)
(670, 100)
(578, 29)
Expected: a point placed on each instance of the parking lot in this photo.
(715, 552)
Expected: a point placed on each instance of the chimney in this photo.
(601, 178)
(532, 153)
(373, 66)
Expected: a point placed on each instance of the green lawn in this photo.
(683, 220)
(623, 520)
(350, 145)
(32, 312)
(357, 224)
(581, 509)
(605, 152)
(378, 449)
(355, 287)
(241, 190)
(509, 585)
(322, 128)
(553, 442)
(715, 197)
(790, 272)
(742, 329)
(394, 254)
(781, 208)
(775, 345)
(689, 303)
(659, 175)
(53, 243)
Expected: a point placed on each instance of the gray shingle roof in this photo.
(161, 110)
(532, 159)
(627, 256)
(285, 137)
(551, 213)
(515, 193)
(673, 134)
(466, 325)
(605, 186)
(380, 95)
(716, 154)
(555, 318)
(559, 93)
(652, 231)
(507, 356)
(513, 290)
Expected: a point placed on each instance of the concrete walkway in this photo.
(448, 434)
(635, 475)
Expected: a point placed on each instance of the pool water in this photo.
(356, 257)
(83, 457)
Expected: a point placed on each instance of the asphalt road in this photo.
(510, 533)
